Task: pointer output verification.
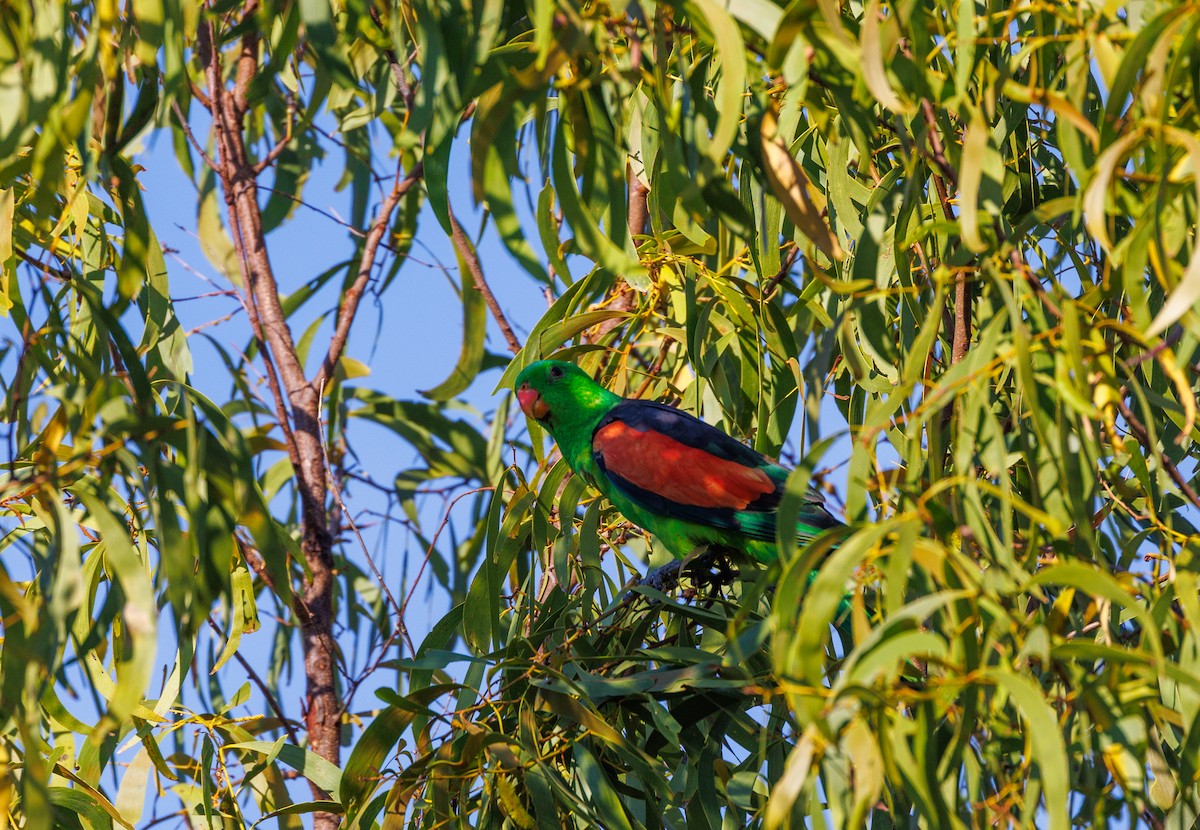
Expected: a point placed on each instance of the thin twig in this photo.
(1158, 348)
(1143, 437)
(963, 299)
(199, 94)
(216, 322)
(406, 91)
(412, 589)
(938, 151)
(187, 131)
(353, 295)
(785, 268)
(655, 368)
(1018, 262)
(281, 145)
(262, 687)
(433, 543)
(47, 270)
(337, 497)
(361, 234)
(467, 252)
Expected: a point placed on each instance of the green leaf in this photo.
(364, 768)
(1046, 741)
(243, 613)
(594, 241)
(599, 791)
(312, 766)
(470, 360)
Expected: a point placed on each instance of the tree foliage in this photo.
(952, 243)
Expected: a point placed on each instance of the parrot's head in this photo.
(553, 392)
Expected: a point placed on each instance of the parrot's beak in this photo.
(532, 403)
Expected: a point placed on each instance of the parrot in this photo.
(682, 480)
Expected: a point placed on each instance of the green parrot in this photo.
(686, 482)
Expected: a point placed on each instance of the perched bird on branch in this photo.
(684, 481)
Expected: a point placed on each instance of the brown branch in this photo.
(353, 295)
(1143, 437)
(621, 297)
(187, 132)
(408, 595)
(209, 58)
(284, 721)
(247, 64)
(254, 558)
(937, 155)
(369, 670)
(467, 252)
(638, 208)
(261, 287)
(1018, 262)
(28, 335)
(938, 150)
(47, 270)
(260, 339)
(963, 299)
(406, 91)
(281, 145)
(273, 154)
(199, 95)
(333, 217)
(1154, 351)
(785, 268)
(313, 604)
(655, 368)
(401, 628)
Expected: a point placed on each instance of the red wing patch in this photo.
(659, 464)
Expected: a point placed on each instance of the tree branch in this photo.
(281, 145)
(621, 295)
(1143, 437)
(187, 131)
(638, 208)
(938, 156)
(467, 252)
(963, 299)
(247, 64)
(313, 604)
(785, 268)
(366, 264)
(337, 497)
(48, 270)
(205, 36)
(406, 91)
(262, 687)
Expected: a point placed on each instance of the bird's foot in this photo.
(707, 566)
(664, 578)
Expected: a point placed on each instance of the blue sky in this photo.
(410, 339)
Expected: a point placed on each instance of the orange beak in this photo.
(532, 403)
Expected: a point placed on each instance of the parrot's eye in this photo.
(555, 373)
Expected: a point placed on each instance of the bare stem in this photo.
(1143, 437)
(467, 252)
(366, 264)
